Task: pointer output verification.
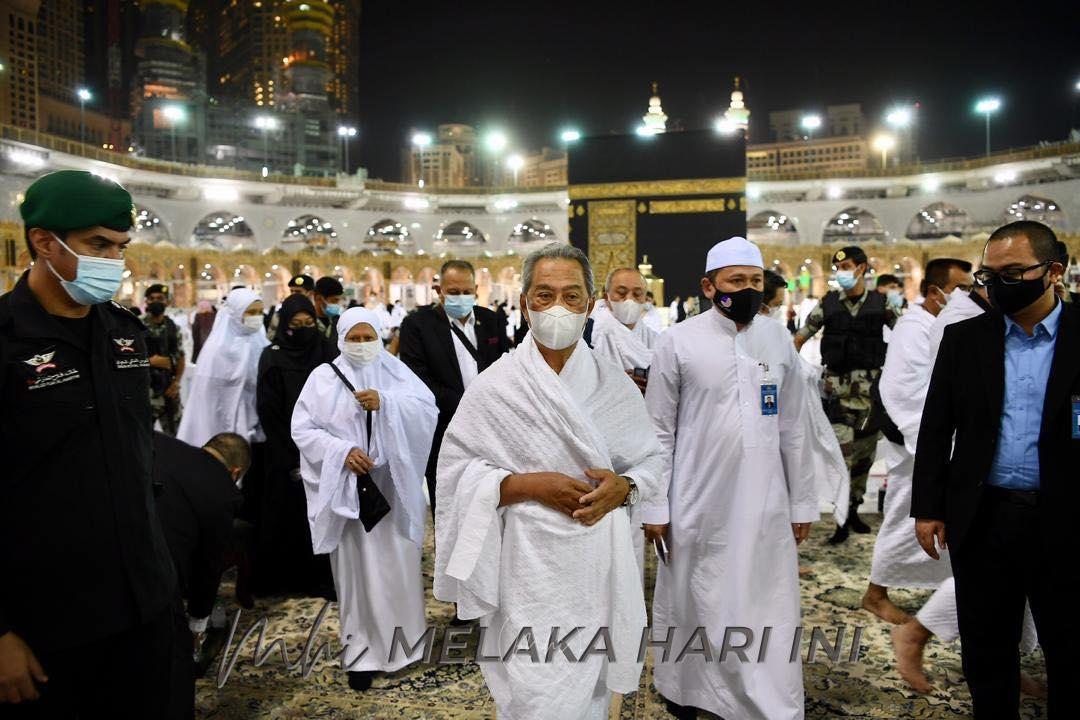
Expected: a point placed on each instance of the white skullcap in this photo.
(733, 251)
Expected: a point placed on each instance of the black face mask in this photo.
(1011, 299)
(156, 308)
(300, 336)
(742, 306)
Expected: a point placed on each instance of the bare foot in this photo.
(804, 571)
(908, 641)
(1032, 687)
(877, 601)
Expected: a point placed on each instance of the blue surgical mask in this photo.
(896, 298)
(333, 310)
(458, 306)
(846, 279)
(649, 307)
(96, 279)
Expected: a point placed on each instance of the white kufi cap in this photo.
(733, 251)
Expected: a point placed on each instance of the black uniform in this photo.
(87, 571)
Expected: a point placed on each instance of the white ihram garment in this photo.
(526, 564)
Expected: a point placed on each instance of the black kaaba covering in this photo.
(670, 197)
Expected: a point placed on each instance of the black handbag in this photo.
(373, 504)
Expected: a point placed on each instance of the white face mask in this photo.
(362, 353)
(777, 313)
(958, 293)
(253, 323)
(627, 311)
(556, 328)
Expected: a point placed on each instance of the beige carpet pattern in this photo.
(869, 688)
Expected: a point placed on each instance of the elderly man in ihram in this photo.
(538, 472)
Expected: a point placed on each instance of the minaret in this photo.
(654, 121)
(737, 116)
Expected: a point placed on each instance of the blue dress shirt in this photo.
(1027, 369)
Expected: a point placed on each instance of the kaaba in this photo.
(668, 197)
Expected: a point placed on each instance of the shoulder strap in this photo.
(337, 371)
(367, 420)
(464, 340)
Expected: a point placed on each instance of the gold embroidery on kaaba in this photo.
(612, 235)
(658, 188)
(671, 207)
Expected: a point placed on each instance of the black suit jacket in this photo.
(965, 396)
(427, 348)
(196, 509)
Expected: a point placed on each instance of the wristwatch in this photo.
(633, 495)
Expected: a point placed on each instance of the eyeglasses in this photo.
(1010, 276)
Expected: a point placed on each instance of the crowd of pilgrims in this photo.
(310, 444)
(345, 409)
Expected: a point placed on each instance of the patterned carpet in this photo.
(869, 688)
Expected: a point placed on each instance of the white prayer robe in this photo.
(624, 347)
(377, 575)
(960, 307)
(734, 483)
(526, 564)
(899, 560)
(222, 395)
(646, 334)
(654, 320)
(616, 342)
(768, 340)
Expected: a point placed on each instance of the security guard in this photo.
(299, 285)
(166, 360)
(86, 598)
(852, 351)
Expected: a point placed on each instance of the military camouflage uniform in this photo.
(846, 397)
(164, 340)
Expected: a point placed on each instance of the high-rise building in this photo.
(544, 169)
(19, 55)
(839, 121)
(448, 160)
(61, 56)
(344, 56)
(247, 46)
(168, 98)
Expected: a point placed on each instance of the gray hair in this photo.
(611, 274)
(557, 251)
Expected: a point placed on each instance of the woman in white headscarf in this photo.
(376, 574)
(222, 397)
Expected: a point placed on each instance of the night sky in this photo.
(535, 68)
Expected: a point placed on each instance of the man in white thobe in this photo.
(899, 560)
(768, 341)
(737, 496)
(548, 450)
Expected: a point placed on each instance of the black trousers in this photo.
(1003, 562)
(433, 465)
(127, 676)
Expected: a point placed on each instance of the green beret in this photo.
(76, 199)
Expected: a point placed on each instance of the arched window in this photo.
(853, 225)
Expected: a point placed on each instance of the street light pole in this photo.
(346, 132)
(83, 95)
(987, 107)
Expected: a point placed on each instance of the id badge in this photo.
(1076, 417)
(769, 400)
